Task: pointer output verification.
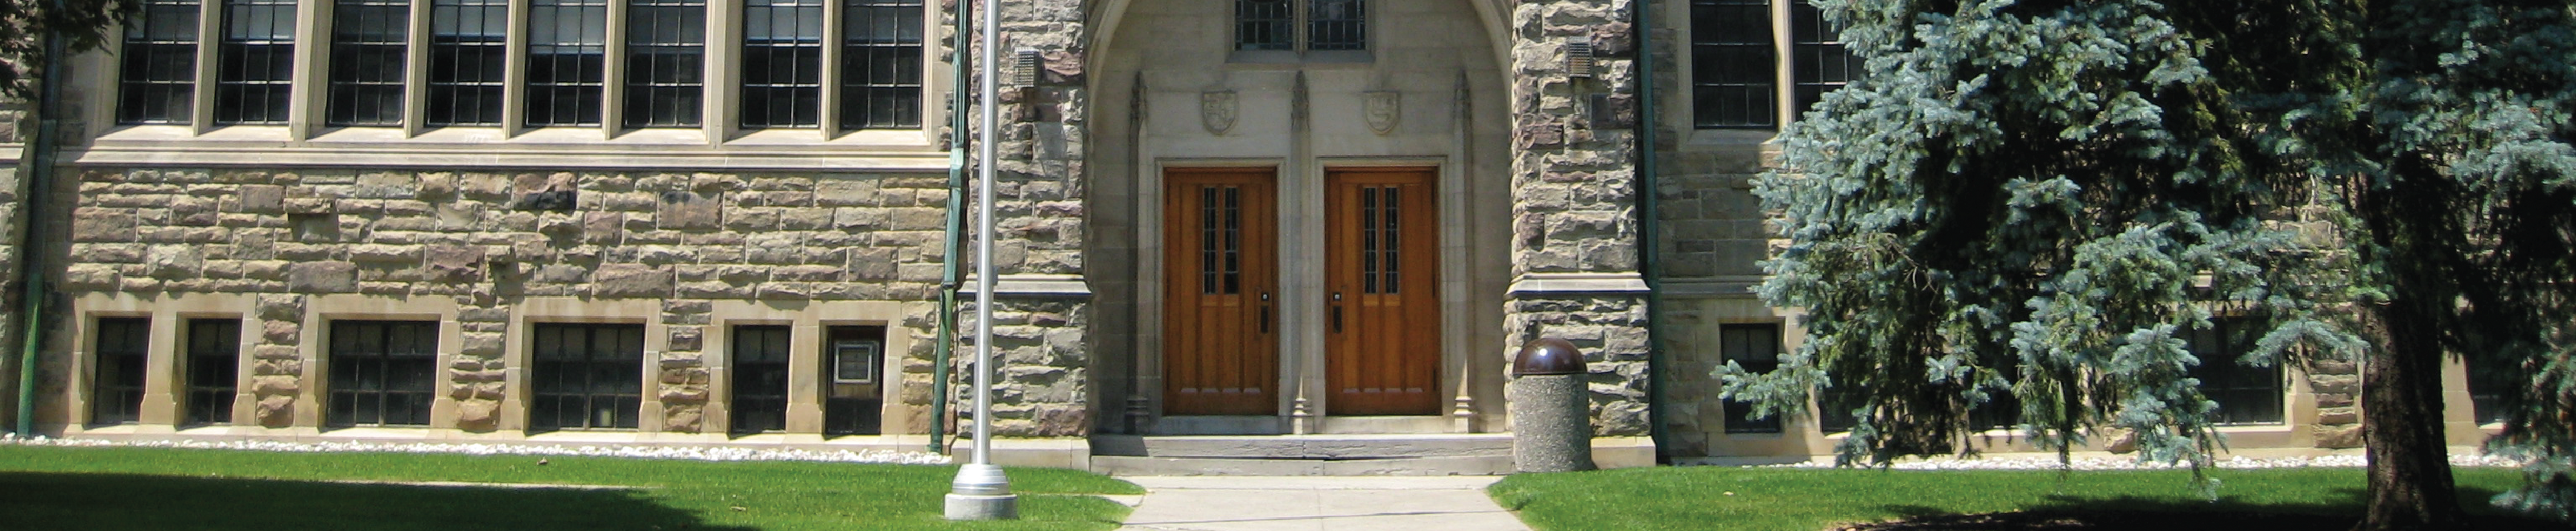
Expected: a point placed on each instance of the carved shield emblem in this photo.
(1383, 108)
(1216, 111)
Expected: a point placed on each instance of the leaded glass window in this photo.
(1756, 348)
(1821, 62)
(1733, 73)
(586, 376)
(214, 360)
(467, 56)
(782, 63)
(256, 62)
(760, 363)
(159, 67)
(1337, 25)
(369, 49)
(1265, 25)
(2245, 394)
(851, 409)
(383, 373)
(881, 64)
(120, 352)
(666, 49)
(567, 61)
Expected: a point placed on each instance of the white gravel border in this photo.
(694, 453)
(2110, 463)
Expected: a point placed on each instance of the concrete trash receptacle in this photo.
(1551, 409)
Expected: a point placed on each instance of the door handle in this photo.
(1337, 312)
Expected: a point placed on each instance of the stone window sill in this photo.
(906, 150)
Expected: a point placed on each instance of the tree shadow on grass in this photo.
(44, 501)
(2229, 513)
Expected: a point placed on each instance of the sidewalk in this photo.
(1237, 503)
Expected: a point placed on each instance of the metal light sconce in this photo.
(1025, 64)
(1578, 57)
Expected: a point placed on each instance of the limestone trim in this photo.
(164, 360)
(1543, 284)
(808, 324)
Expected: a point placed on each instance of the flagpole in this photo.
(981, 491)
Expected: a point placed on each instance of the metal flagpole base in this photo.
(981, 492)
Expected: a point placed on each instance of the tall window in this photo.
(159, 68)
(368, 42)
(214, 359)
(1732, 68)
(881, 64)
(1756, 348)
(759, 378)
(782, 63)
(255, 63)
(1276, 25)
(2245, 394)
(1821, 63)
(383, 373)
(586, 376)
(567, 61)
(120, 353)
(466, 56)
(850, 400)
(666, 48)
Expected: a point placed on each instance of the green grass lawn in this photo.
(1774, 499)
(150, 488)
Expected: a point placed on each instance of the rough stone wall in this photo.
(12, 114)
(1574, 197)
(1043, 387)
(486, 240)
(1040, 339)
(2337, 386)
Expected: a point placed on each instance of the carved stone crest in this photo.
(1383, 109)
(1216, 111)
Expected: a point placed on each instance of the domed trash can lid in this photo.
(1546, 356)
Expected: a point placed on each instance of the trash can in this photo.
(1551, 409)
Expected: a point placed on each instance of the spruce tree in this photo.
(2024, 205)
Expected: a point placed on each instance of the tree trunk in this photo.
(2401, 390)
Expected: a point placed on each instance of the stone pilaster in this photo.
(1574, 224)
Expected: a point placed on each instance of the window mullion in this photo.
(415, 110)
(717, 113)
(210, 37)
(828, 118)
(514, 76)
(612, 79)
(306, 93)
(1784, 88)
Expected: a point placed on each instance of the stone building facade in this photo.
(1200, 230)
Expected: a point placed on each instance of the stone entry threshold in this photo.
(1480, 454)
(1302, 503)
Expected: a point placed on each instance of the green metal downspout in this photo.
(39, 170)
(956, 239)
(1650, 228)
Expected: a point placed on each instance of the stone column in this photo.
(1042, 301)
(1574, 222)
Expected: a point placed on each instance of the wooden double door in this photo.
(1379, 302)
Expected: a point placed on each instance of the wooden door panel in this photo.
(1382, 320)
(1220, 261)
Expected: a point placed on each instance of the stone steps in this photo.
(1303, 455)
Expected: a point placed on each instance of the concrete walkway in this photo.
(1240, 503)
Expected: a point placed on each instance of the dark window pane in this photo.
(214, 360)
(1756, 348)
(2489, 380)
(1822, 64)
(159, 69)
(1732, 64)
(255, 63)
(1264, 25)
(1337, 25)
(782, 63)
(759, 369)
(120, 355)
(2245, 394)
(587, 376)
(881, 64)
(567, 61)
(383, 373)
(368, 54)
(666, 46)
(466, 61)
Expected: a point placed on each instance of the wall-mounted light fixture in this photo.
(1025, 64)
(1578, 57)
